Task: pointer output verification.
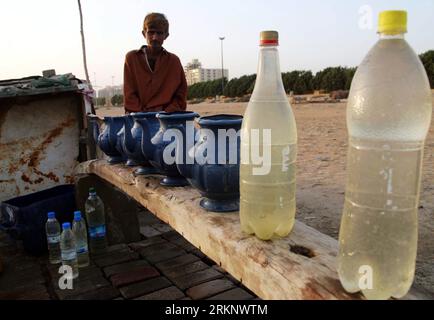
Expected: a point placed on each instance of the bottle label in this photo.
(69, 255)
(97, 232)
(82, 249)
(53, 239)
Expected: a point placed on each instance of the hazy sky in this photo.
(45, 34)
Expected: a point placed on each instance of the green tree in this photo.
(333, 78)
(289, 79)
(303, 84)
(205, 89)
(229, 90)
(349, 75)
(117, 100)
(101, 101)
(427, 59)
(300, 82)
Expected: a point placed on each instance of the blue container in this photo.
(217, 178)
(155, 151)
(24, 217)
(124, 138)
(133, 141)
(108, 140)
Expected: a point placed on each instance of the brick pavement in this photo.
(162, 266)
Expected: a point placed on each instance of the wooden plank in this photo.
(268, 268)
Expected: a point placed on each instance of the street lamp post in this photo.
(223, 73)
(112, 90)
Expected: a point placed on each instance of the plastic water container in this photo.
(80, 232)
(388, 116)
(52, 228)
(68, 249)
(267, 185)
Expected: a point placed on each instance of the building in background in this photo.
(110, 91)
(194, 73)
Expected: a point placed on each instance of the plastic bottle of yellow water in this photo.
(388, 117)
(268, 151)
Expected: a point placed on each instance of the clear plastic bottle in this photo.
(80, 232)
(68, 249)
(267, 186)
(96, 223)
(388, 116)
(52, 229)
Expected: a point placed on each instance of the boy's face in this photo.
(155, 36)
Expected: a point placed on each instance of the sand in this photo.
(321, 162)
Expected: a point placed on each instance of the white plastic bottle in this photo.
(268, 151)
(52, 229)
(80, 232)
(388, 116)
(68, 249)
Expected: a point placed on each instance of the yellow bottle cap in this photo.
(392, 22)
(269, 38)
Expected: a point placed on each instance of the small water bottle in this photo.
(80, 232)
(52, 229)
(68, 249)
(95, 218)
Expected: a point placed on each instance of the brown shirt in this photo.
(164, 89)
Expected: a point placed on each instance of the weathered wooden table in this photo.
(300, 266)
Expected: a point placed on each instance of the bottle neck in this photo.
(269, 84)
(386, 36)
(270, 53)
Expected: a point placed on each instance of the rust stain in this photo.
(34, 158)
(28, 144)
(53, 177)
(49, 175)
(69, 179)
(37, 150)
(37, 181)
(13, 167)
(26, 179)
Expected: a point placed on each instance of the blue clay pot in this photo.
(215, 172)
(161, 151)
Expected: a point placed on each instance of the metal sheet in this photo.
(39, 144)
